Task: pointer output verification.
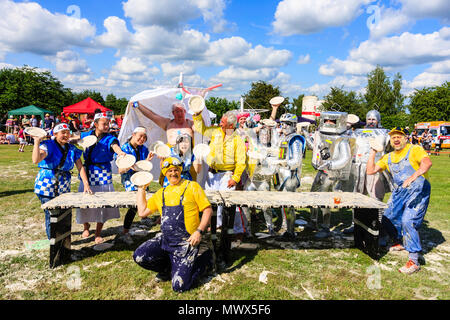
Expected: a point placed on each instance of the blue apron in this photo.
(52, 181)
(98, 159)
(407, 206)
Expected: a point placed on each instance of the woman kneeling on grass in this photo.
(55, 158)
(181, 251)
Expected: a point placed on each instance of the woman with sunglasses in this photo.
(181, 252)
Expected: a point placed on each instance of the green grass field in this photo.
(304, 269)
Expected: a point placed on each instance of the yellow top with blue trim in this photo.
(194, 202)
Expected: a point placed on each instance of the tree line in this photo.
(20, 87)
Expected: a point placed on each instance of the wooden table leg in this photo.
(60, 236)
(368, 230)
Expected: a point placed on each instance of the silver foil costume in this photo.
(372, 185)
(260, 169)
(289, 161)
(332, 157)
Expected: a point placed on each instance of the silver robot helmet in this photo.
(333, 122)
(289, 122)
(371, 116)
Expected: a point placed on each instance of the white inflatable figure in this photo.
(289, 165)
(371, 185)
(332, 157)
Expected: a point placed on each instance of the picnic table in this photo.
(367, 213)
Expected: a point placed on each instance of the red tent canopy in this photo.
(87, 105)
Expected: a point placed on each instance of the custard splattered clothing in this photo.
(140, 153)
(407, 206)
(45, 183)
(97, 161)
(170, 250)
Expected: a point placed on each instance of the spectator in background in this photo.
(11, 138)
(414, 137)
(427, 139)
(10, 123)
(48, 123)
(87, 122)
(114, 128)
(22, 139)
(25, 121)
(34, 121)
(119, 121)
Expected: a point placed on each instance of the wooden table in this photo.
(367, 213)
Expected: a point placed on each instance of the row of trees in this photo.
(24, 86)
(20, 87)
(381, 93)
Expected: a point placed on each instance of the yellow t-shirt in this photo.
(194, 201)
(415, 157)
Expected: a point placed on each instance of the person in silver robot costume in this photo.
(375, 186)
(332, 157)
(289, 165)
(260, 164)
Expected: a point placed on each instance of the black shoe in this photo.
(162, 277)
(323, 234)
(287, 236)
(348, 230)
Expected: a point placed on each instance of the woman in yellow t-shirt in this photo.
(181, 251)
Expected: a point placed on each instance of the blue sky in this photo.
(301, 46)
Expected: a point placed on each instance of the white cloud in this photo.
(242, 74)
(116, 35)
(69, 62)
(427, 9)
(310, 16)
(391, 21)
(27, 27)
(440, 67)
(171, 14)
(425, 79)
(337, 67)
(130, 65)
(392, 52)
(304, 59)
(172, 70)
(406, 49)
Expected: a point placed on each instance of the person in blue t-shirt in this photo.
(55, 158)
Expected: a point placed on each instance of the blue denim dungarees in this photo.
(407, 206)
